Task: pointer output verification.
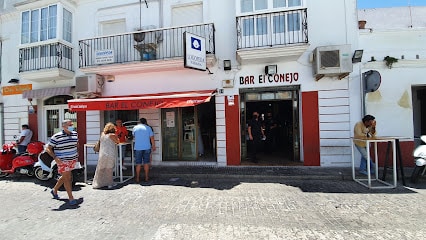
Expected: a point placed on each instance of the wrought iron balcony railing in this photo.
(46, 56)
(271, 29)
(153, 44)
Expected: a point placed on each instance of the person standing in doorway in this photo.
(107, 158)
(63, 148)
(255, 132)
(365, 129)
(144, 144)
(24, 138)
(121, 132)
(270, 132)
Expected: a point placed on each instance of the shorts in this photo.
(66, 166)
(142, 156)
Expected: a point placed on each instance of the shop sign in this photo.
(194, 52)
(104, 56)
(16, 89)
(288, 78)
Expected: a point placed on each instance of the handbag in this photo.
(97, 146)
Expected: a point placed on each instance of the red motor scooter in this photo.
(22, 163)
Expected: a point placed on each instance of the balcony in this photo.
(46, 62)
(148, 50)
(275, 36)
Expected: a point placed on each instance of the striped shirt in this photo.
(64, 145)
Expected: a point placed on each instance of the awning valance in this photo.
(162, 100)
(46, 92)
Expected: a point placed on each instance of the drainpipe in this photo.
(1, 102)
(160, 9)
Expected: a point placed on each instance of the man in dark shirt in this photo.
(255, 133)
(270, 125)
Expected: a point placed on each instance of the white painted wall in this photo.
(330, 22)
(402, 36)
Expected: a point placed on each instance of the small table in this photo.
(369, 180)
(86, 146)
(119, 166)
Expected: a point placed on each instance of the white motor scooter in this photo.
(419, 155)
(45, 173)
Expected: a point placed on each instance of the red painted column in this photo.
(82, 135)
(311, 139)
(33, 124)
(232, 122)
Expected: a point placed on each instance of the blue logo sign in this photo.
(195, 43)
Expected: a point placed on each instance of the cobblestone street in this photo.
(215, 207)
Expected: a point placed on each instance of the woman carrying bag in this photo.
(107, 158)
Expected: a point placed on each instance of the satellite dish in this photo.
(372, 80)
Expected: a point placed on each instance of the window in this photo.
(262, 26)
(67, 26)
(294, 3)
(42, 24)
(258, 5)
(279, 24)
(248, 27)
(293, 20)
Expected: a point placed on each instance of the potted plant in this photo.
(361, 24)
(139, 36)
(389, 61)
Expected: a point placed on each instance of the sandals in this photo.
(54, 195)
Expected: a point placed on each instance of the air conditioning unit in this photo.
(90, 84)
(333, 60)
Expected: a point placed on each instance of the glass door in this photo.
(54, 115)
(170, 130)
(180, 131)
(188, 138)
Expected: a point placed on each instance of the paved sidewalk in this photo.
(218, 203)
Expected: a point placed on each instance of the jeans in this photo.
(142, 156)
(22, 148)
(364, 156)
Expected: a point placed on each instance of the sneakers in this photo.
(124, 168)
(75, 202)
(54, 195)
(112, 186)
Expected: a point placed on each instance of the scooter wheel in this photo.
(416, 173)
(3, 174)
(40, 174)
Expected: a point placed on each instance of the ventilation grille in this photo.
(330, 59)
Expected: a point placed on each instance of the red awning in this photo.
(162, 100)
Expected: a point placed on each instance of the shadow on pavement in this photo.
(66, 205)
(321, 185)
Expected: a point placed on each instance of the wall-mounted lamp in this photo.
(357, 56)
(14, 81)
(227, 65)
(270, 69)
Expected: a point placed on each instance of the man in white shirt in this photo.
(25, 138)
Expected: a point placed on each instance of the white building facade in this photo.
(95, 61)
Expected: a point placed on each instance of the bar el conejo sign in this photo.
(195, 51)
